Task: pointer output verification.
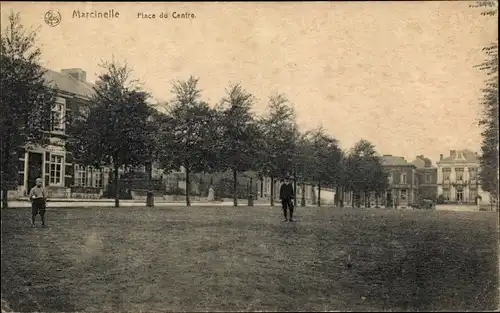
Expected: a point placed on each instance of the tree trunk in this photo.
(294, 192)
(313, 194)
(341, 196)
(5, 166)
(5, 202)
(188, 186)
(117, 187)
(336, 197)
(272, 190)
(319, 194)
(262, 187)
(303, 200)
(149, 173)
(235, 184)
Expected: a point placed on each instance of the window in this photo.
(403, 178)
(472, 173)
(85, 111)
(57, 115)
(97, 176)
(55, 169)
(459, 172)
(390, 179)
(446, 174)
(403, 194)
(446, 194)
(428, 178)
(396, 177)
(88, 177)
(460, 196)
(80, 176)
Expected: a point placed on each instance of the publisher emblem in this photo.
(52, 18)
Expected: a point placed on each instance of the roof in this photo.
(68, 84)
(419, 163)
(462, 156)
(390, 160)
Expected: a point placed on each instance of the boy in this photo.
(286, 196)
(38, 197)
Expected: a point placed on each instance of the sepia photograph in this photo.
(249, 156)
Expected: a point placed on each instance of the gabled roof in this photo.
(461, 156)
(390, 160)
(68, 84)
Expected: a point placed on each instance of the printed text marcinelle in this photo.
(96, 14)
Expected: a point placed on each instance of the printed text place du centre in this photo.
(112, 14)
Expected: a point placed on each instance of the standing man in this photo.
(38, 198)
(286, 196)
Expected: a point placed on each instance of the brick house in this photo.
(403, 181)
(426, 177)
(62, 177)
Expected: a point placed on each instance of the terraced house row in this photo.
(454, 178)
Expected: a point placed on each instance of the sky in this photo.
(399, 74)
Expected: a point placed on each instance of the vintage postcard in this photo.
(249, 156)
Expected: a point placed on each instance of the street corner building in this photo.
(62, 177)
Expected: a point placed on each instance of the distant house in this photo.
(457, 177)
(426, 178)
(403, 181)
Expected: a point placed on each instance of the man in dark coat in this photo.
(286, 196)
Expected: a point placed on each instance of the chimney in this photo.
(77, 73)
(453, 153)
(440, 157)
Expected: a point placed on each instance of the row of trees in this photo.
(120, 128)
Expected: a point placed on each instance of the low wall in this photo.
(58, 192)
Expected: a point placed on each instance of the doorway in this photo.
(388, 200)
(460, 195)
(35, 165)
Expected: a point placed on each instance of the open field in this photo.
(246, 259)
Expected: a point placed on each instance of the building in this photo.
(457, 177)
(62, 177)
(403, 181)
(426, 178)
